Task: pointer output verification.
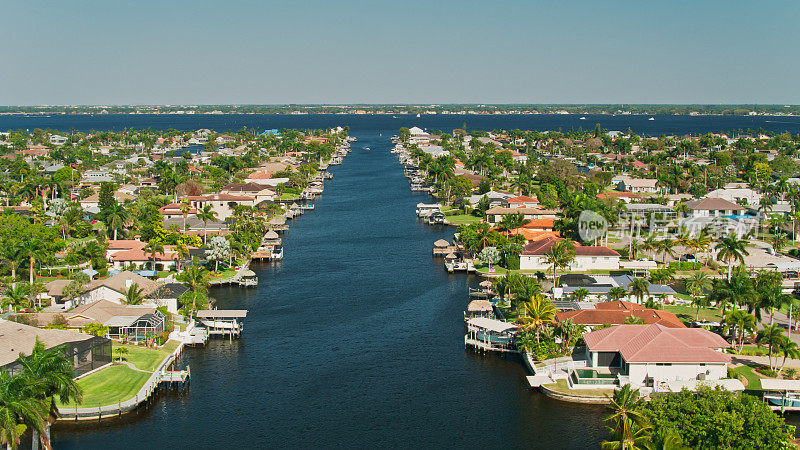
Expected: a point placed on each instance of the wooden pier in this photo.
(223, 322)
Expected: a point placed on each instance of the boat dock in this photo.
(223, 322)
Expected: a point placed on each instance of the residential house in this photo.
(222, 204)
(522, 201)
(93, 201)
(114, 288)
(129, 322)
(600, 285)
(654, 355)
(84, 351)
(713, 207)
(586, 257)
(616, 313)
(259, 192)
(737, 195)
(640, 185)
(496, 214)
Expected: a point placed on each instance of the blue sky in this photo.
(445, 51)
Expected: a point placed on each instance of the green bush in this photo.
(64, 272)
(684, 265)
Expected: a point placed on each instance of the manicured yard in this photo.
(753, 380)
(145, 358)
(462, 219)
(289, 196)
(687, 313)
(110, 385)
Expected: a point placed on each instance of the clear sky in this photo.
(375, 51)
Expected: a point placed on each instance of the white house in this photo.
(736, 195)
(586, 257)
(654, 355)
(713, 207)
(114, 288)
(638, 185)
(222, 204)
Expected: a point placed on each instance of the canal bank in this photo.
(354, 339)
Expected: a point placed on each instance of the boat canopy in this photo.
(498, 326)
(441, 243)
(770, 384)
(221, 313)
(479, 305)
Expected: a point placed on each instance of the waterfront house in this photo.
(653, 355)
(495, 198)
(616, 313)
(586, 257)
(600, 285)
(94, 199)
(259, 192)
(114, 288)
(128, 322)
(84, 351)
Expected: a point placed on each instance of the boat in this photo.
(652, 118)
(583, 118)
(418, 115)
(366, 148)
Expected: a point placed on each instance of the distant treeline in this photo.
(738, 110)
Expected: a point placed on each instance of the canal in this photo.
(354, 340)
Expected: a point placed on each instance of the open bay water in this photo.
(355, 339)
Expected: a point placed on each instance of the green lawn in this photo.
(145, 358)
(753, 380)
(289, 196)
(109, 386)
(687, 313)
(462, 219)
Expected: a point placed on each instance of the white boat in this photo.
(583, 118)
(418, 115)
(366, 148)
(652, 118)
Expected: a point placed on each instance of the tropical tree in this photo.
(153, 248)
(666, 247)
(790, 349)
(580, 294)
(16, 297)
(559, 255)
(30, 250)
(196, 277)
(134, 295)
(739, 323)
(639, 288)
(731, 248)
(116, 217)
(18, 409)
(627, 415)
(697, 284)
(536, 313)
(48, 375)
(617, 293)
(206, 214)
(771, 336)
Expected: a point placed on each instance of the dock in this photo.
(223, 322)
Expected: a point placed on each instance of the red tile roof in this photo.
(657, 343)
(541, 246)
(126, 244)
(615, 316)
(522, 199)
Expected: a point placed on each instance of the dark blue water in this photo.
(356, 338)
(368, 124)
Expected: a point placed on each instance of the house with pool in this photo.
(653, 356)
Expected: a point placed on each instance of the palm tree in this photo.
(731, 248)
(697, 284)
(16, 297)
(790, 349)
(639, 288)
(666, 247)
(739, 322)
(154, 247)
(206, 214)
(30, 250)
(537, 312)
(525, 288)
(617, 293)
(580, 294)
(771, 335)
(134, 295)
(18, 409)
(116, 218)
(48, 374)
(560, 254)
(196, 277)
(185, 208)
(626, 416)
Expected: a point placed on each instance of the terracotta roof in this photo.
(244, 187)
(604, 195)
(602, 316)
(539, 223)
(222, 197)
(713, 204)
(532, 210)
(125, 244)
(533, 234)
(541, 246)
(622, 305)
(657, 343)
(522, 199)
